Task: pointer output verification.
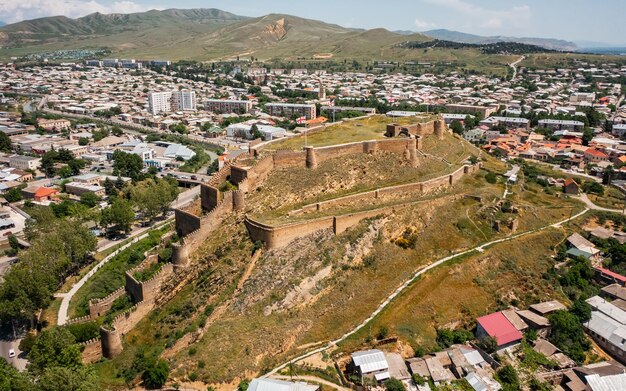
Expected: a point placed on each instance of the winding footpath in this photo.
(407, 283)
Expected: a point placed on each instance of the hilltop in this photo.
(457, 36)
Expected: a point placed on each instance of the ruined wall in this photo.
(186, 222)
(238, 174)
(254, 175)
(111, 336)
(221, 175)
(98, 307)
(457, 175)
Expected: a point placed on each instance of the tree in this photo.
(65, 172)
(568, 335)
(89, 199)
(153, 196)
(607, 176)
(11, 379)
(394, 384)
(79, 378)
(256, 134)
(581, 309)
(83, 141)
(127, 164)
(13, 195)
(243, 385)
(507, 376)
(120, 214)
(65, 155)
(490, 177)
(109, 187)
(457, 127)
(587, 136)
(156, 376)
(54, 347)
(178, 128)
(488, 344)
(117, 131)
(47, 163)
(593, 187)
(5, 143)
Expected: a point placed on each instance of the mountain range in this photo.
(198, 34)
(457, 36)
(213, 34)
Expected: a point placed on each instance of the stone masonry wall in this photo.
(98, 307)
(186, 222)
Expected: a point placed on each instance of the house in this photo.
(371, 364)
(497, 326)
(261, 384)
(571, 187)
(547, 307)
(607, 327)
(593, 155)
(609, 277)
(44, 194)
(536, 322)
(581, 247)
(24, 162)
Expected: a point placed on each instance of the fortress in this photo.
(202, 217)
(197, 221)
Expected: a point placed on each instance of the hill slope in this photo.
(200, 34)
(150, 28)
(457, 36)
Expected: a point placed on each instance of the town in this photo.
(313, 224)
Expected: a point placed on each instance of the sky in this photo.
(575, 20)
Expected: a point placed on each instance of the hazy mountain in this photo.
(2, 23)
(200, 34)
(457, 36)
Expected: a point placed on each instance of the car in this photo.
(11, 353)
(194, 177)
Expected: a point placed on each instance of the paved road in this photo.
(19, 361)
(62, 317)
(408, 282)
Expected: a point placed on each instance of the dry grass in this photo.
(370, 128)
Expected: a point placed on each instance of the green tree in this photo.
(394, 384)
(83, 141)
(155, 376)
(243, 385)
(109, 187)
(54, 347)
(120, 214)
(587, 136)
(127, 165)
(79, 378)
(47, 163)
(256, 133)
(608, 175)
(89, 199)
(457, 127)
(11, 379)
(178, 128)
(5, 143)
(14, 194)
(490, 177)
(508, 378)
(153, 196)
(568, 335)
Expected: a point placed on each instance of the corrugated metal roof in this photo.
(607, 383)
(608, 309)
(279, 385)
(370, 361)
(607, 328)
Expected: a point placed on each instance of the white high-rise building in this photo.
(159, 102)
(184, 100)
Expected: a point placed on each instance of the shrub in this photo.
(490, 177)
(155, 376)
(394, 385)
(84, 331)
(507, 376)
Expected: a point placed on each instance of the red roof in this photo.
(595, 152)
(500, 328)
(45, 192)
(569, 181)
(609, 273)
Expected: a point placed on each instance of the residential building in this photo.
(79, 188)
(159, 102)
(557, 124)
(484, 111)
(607, 327)
(291, 110)
(24, 162)
(224, 106)
(509, 122)
(261, 384)
(570, 186)
(54, 124)
(183, 100)
(371, 364)
(581, 247)
(593, 155)
(497, 326)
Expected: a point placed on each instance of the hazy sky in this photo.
(580, 20)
